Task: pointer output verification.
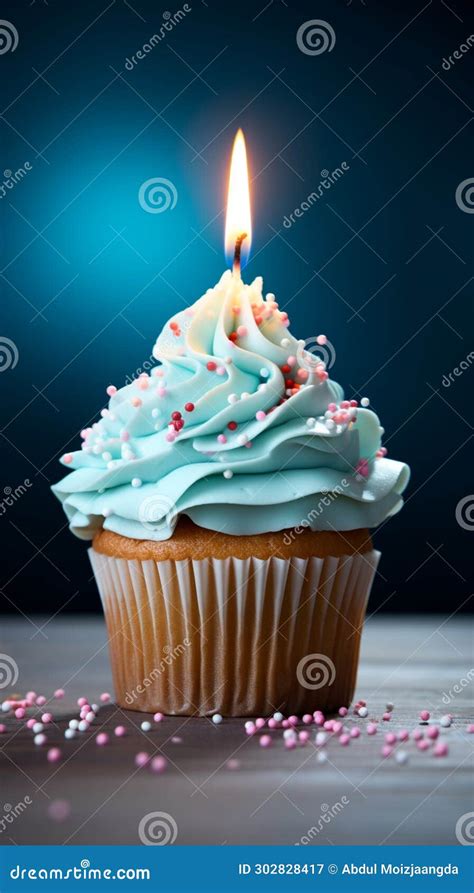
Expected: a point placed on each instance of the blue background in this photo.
(88, 277)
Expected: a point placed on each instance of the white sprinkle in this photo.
(242, 439)
(106, 456)
(445, 721)
(382, 431)
(363, 712)
(136, 482)
(90, 716)
(322, 756)
(328, 414)
(228, 360)
(330, 425)
(217, 719)
(321, 738)
(232, 398)
(95, 708)
(73, 724)
(228, 474)
(289, 735)
(310, 422)
(389, 706)
(38, 727)
(365, 401)
(244, 395)
(270, 297)
(6, 706)
(70, 733)
(155, 413)
(40, 739)
(285, 342)
(83, 726)
(249, 724)
(264, 373)
(145, 726)
(278, 717)
(401, 757)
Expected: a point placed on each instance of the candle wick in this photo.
(237, 253)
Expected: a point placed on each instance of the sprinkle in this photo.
(403, 735)
(242, 331)
(232, 398)
(143, 382)
(302, 374)
(355, 732)
(170, 437)
(417, 734)
(73, 724)
(371, 728)
(136, 482)
(289, 734)
(189, 407)
(363, 712)
(342, 711)
(293, 720)
(242, 439)
(3, 728)
(161, 392)
(38, 727)
(158, 764)
(221, 438)
(59, 810)
(390, 738)
(101, 739)
(310, 423)
(174, 326)
(250, 728)
(141, 758)
(105, 697)
(70, 733)
(389, 706)
(228, 474)
(30, 723)
(265, 741)
(211, 365)
(264, 373)
(401, 757)
(136, 402)
(47, 717)
(54, 755)
(365, 401)
(67, 458)
(290, 743)
(260, 722)
(321, 339)
(344, 740)
(158, 717)
(307, 719)
(425, 715)
(145, 726)
(285, 342)
(217, 719)
(423, 744)
(440, 749)
(272, 723)
(20, 712)
(278, 717)
(260, 415)
(303, 737)
(40, 739)
(232, 426)
(321, 738)
(322, 756)
(386, 750)
(83, 726)
(387, 717)
(220, 370)
(470, 729)
(233, 765)
(40, 700)
(445, 721)
(59, 693)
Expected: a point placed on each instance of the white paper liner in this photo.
(240, 637)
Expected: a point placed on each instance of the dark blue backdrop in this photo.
(381, 263)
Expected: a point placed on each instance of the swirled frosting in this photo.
(239, 427)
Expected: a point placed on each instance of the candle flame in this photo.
(238, 218)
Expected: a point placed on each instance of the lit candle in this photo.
(238, 226)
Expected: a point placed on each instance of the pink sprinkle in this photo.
(54, 755)
(259, 723)
(242, 331)
(303, 736)
(31, 722)
(332, 407)
(293, 720)
(390, 738)
(2, 729)
(141, 758)
(272, 723)
(344, 739)
(120, 731)
(440, 749)
(386, 750)
(158, 717)
(425, 715)
(354, 732)
(336, 726)
(67, 458)
(158, 764)
(47, 717)
(342, 711)
(136, 402)
(307, 719)
(250, 728)
(423, 744)
(371, 728)
(321, 339)
(40, 700)
(102, 738)
(222, 438)
(105, 697)
(302, 374)
(318, 718)
(265, 741)
(170, 437)
(387, 717)
(20, 712)
(403, 735)
(470, 728)
(290, 743)
(59, 693)
(111, 390)
(30, 695)
(432, 732)
(59, 810)
(328, 725)
(220, 370)
(80, 702)
(417, 735)
(161, 392)
(260, 415)
(233, 765)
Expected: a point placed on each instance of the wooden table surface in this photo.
(275, 796)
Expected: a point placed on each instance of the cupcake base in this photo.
(239, 636)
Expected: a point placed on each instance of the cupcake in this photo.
(228, 494)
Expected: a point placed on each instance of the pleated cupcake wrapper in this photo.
(240, 637)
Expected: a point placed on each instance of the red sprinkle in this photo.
(189, 407)
(174, 326)
(232, 426)
(211, 365)
(175, 415)
(233, 337)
